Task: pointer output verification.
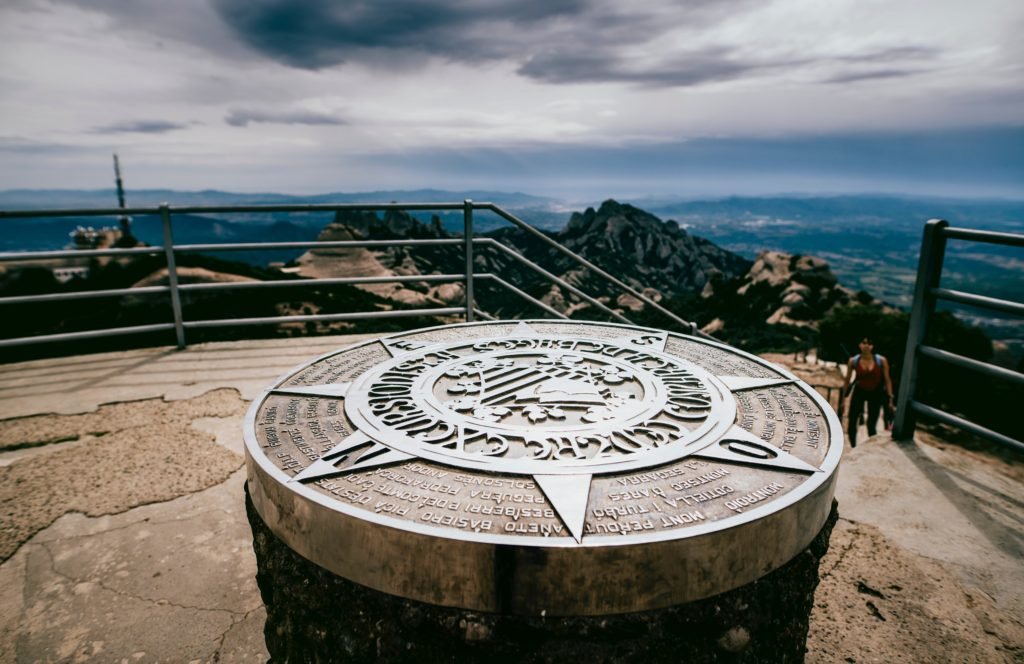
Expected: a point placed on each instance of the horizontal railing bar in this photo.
(223, 209)
(966, 425)
(523, 294)
(974, 365)
(274, 320)
(321, 207)
(83, 295)
(76, 253)
(89, 334)
(590, 266)
(333, 281)
(332, 244)
(80, 212)
(981, 301)
(992, 237)
(559, 281)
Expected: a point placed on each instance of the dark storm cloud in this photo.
(242, 117)
(140, 127)
(315, 34)
(551, 41)
(320, 33)
(569, 41)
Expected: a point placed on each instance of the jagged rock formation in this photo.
(803, 287)
(780, 295)
(645, 251)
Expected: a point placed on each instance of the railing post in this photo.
(467, 217)
(172, 274)
(929, 271)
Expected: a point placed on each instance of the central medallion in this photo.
(528, 405)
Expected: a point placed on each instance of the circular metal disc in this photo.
(543, 467)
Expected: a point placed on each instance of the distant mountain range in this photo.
(64, 198)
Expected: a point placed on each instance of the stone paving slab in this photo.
(130, 454)
(132, 560)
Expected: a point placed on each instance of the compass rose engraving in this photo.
(557, 410)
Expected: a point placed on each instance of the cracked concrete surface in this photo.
(122, 522)
(166, 582)
(136, 453)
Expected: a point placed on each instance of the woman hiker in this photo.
(872, 386)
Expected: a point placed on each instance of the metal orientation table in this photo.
(543, 467)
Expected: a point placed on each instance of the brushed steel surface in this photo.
(543, 466)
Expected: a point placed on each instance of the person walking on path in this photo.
(872, 386)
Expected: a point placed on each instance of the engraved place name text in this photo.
(754, 497)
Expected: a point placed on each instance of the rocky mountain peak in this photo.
(628, 241)
(777, 268)
(618, 221)
(799, 290)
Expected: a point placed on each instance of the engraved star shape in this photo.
(568, 493)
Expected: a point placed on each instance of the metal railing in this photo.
(174, 289)
(926, 293)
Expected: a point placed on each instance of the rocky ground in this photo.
(123, 533)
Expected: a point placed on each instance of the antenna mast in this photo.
(124, 220)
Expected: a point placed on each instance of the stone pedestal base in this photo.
(316, 616)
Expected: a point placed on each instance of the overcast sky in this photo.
(575, 98)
